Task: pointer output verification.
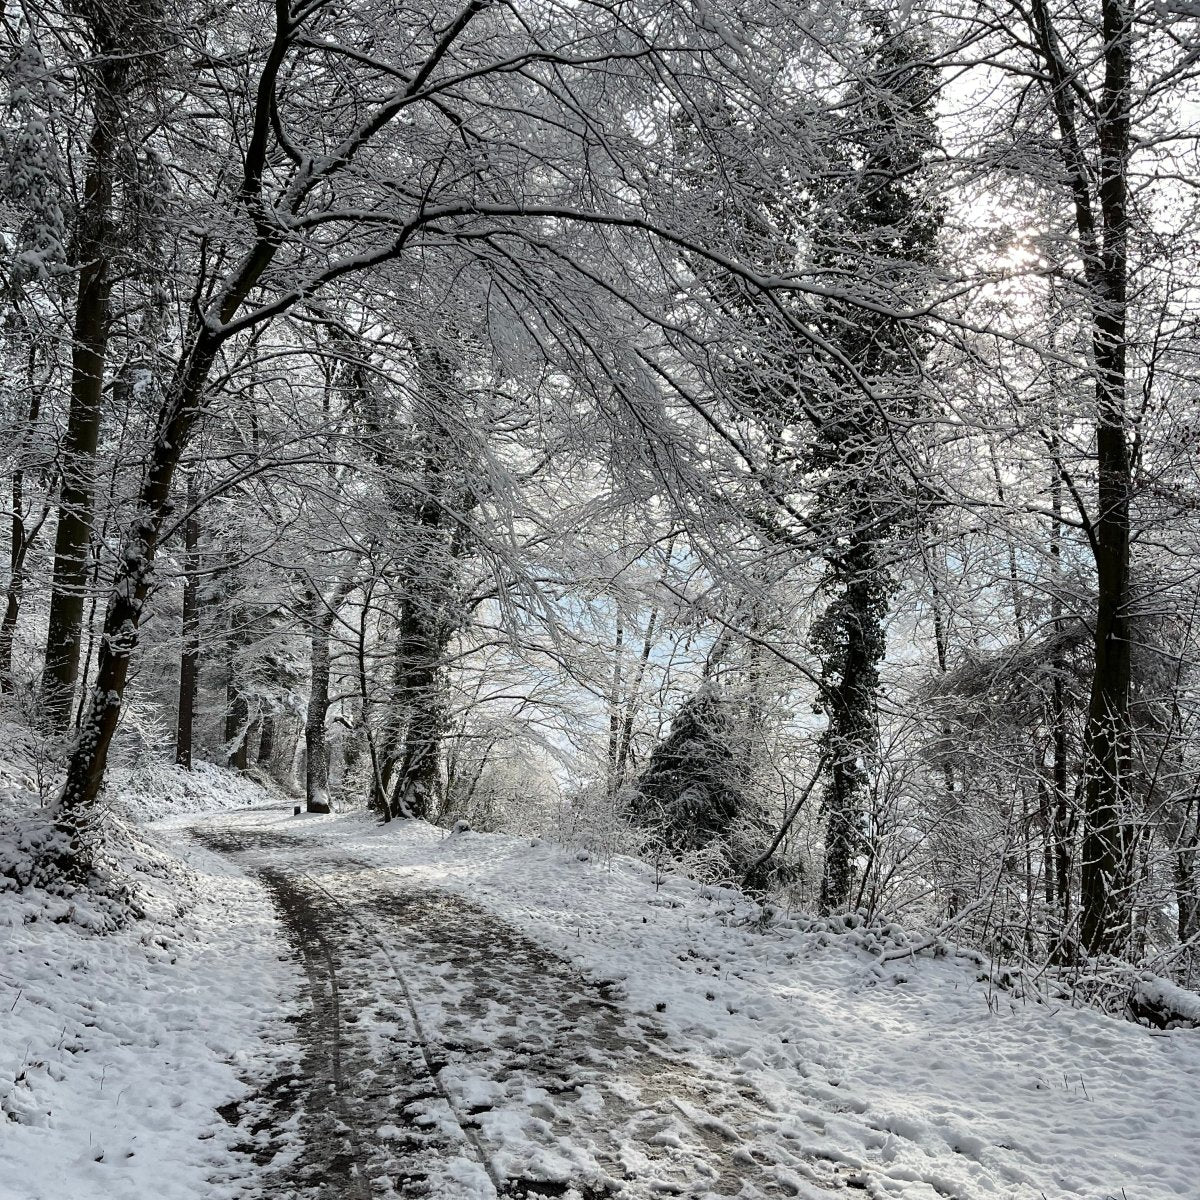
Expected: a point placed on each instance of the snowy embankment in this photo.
(117, 1048)
(915, 1074)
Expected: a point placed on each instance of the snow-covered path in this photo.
(592, 1029)
(327, 1008)
(445, 1054)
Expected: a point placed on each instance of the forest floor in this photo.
(324, 1007)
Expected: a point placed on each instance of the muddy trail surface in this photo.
(446, 1055)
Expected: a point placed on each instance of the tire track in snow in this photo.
(423, 1041)
(327, 1025)
(340, 1154)
(500, 1053)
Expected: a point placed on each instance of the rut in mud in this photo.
(444, 1054)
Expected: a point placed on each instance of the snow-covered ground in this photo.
(784, 1059)
(116, 1049)
(913, 1075)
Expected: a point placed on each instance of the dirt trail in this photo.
(446, 1055)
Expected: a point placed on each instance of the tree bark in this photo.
(849, 740)
(266, 742)
(323, 615)
(22, 537)
(189, 658)
(1063, 819)
(237, 728)
(237, 703)
(1105, 853)
(76, 503)
(316, 771)
(413, 779)
(1102, 224)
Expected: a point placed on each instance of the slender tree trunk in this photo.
(1187, 887)
(237, 728)
(322, 619)
(266, 741)
(78, 456)
(1063, 820)
(633, 699)
(1105, 866)
(377, 793)
(16, 582)
(297, 753)
(632, 705)
(390, 748)
(189, 658)
(22, 538)
(1104, 879)
(950, 821)
(316, 772)
(614, 704)
(237, 703)
(1102, 222)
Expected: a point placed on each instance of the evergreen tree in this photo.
(688, 794)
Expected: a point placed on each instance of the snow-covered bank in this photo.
(916, 1076)
(116, 1049)
(154, 790)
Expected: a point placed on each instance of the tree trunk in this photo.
(1102, 223)
(1103, 887)
(321, 621)
(1104, 883)
(1063, 820)
(189, 658)
(413, 779)
(237, 728)
(316, 772)
(237, 703)
(78, 456)
(266, 742)
(414, 785)
(1187, 889)
(22, 538)
(16, 583)
(950, 819)
(614, 704)
(849, 739)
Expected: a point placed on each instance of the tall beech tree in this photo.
(1086, 69)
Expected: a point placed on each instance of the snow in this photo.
(782, 1056)
(1174, 1004)
(915, 1075)
(153, 790)
(116, 1050)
